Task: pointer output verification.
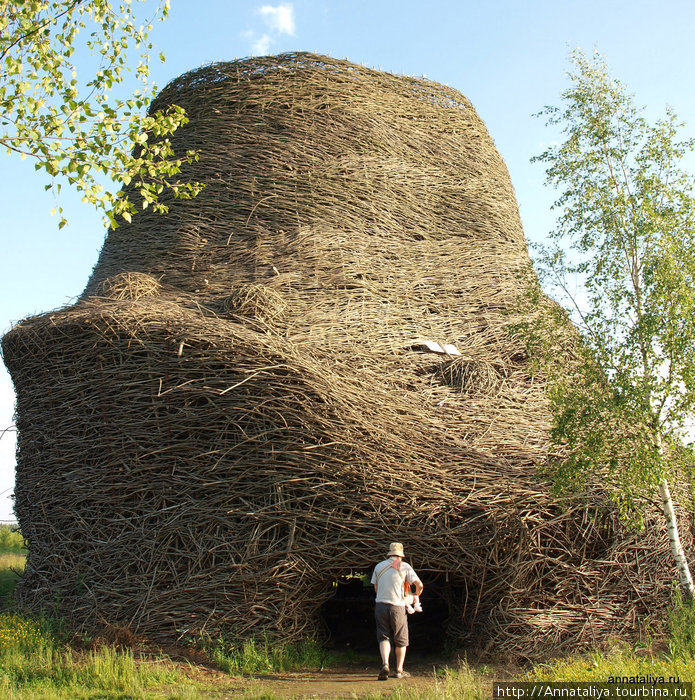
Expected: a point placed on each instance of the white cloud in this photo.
(279, 18)
(261, 46)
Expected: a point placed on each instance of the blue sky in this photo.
(508, 57)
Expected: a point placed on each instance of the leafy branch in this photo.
(76, 130)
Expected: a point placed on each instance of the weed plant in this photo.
(682, 627)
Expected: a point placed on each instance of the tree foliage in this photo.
(81, 129)
(622, 262)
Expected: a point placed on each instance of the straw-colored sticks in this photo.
(233, 415)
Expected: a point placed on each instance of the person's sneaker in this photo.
(402, 674)
(410, 609)
(417, 607)
(384, 673)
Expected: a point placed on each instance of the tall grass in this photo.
(253, 657)
(33, 658)
(682, 628)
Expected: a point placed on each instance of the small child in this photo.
(412, 602)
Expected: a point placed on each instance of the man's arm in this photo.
(414, 580)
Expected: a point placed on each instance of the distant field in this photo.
(12, 558)
(12, 561)
(11, 539)
(11, 565)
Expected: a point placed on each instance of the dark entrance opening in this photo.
(348, 617)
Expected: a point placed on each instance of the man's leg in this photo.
(400, 639)
(383, 630)
(385, 651)
(400, 658)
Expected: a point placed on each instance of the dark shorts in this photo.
(391, 623)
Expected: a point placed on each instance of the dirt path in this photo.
(339, 683)
(347, 682)
(356, 678)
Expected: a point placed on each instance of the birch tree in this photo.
(621, 260)
(64, 104)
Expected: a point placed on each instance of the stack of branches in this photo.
(210, 450)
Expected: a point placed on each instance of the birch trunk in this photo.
(676, 547)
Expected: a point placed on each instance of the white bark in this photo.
(676, 548)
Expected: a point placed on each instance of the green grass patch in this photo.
(253, 657)
(34, 660)
(682, 628)
(599, 667)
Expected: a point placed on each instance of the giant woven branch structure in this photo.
(238, 412)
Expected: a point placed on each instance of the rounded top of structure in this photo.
(308, 68)
(326, 181)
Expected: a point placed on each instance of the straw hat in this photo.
(395, 550)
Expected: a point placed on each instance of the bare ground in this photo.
(355, 680)
(352, 682)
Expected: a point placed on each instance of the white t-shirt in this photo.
(390, 581)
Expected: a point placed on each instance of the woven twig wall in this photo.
(241, 408)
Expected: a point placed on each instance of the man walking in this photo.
(389, 579)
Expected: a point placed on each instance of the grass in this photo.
(11, 566)
(254, 657)
(682, 628)
(36, 662)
